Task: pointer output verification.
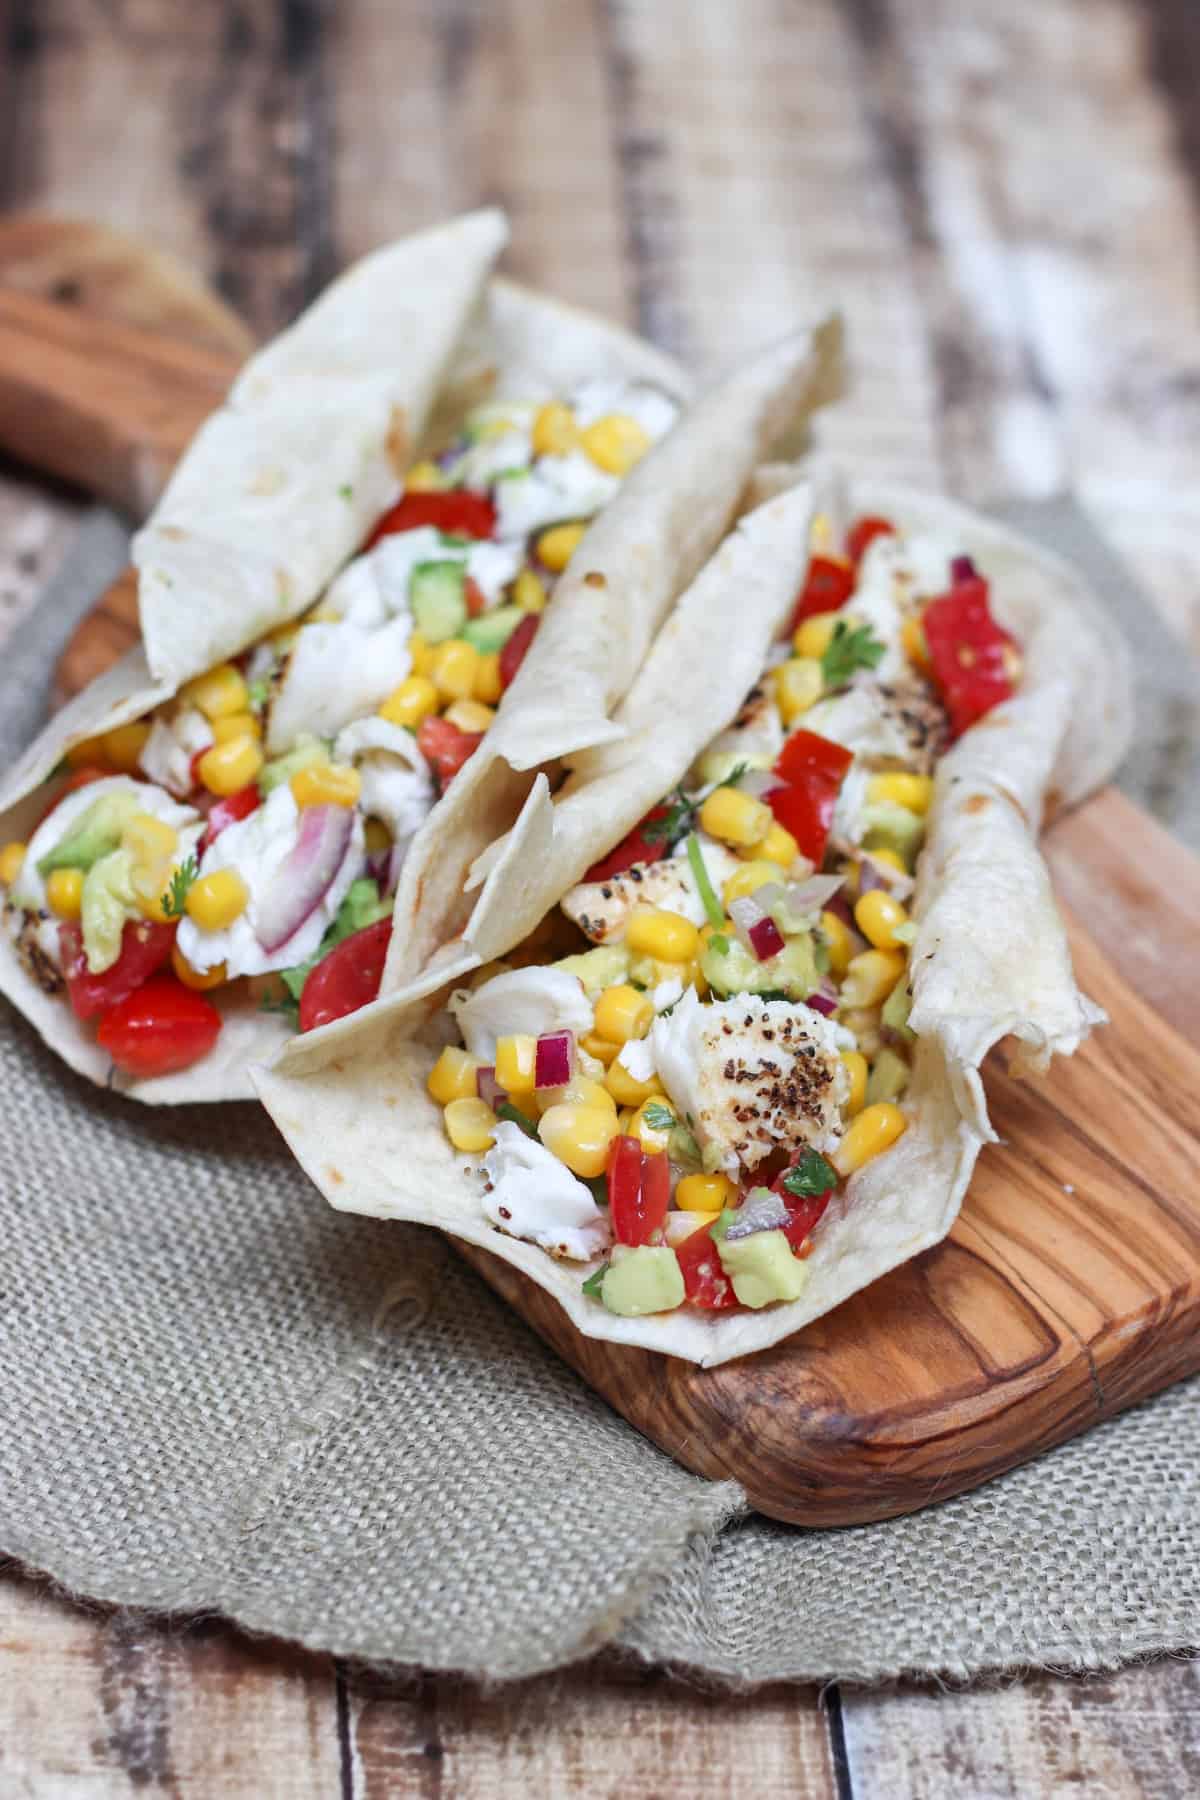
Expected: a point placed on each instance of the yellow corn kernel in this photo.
(243, 724)
(414, 700)
(594, 1045)
(215, 901)
(650, 1137)
(875, 1129)
(813, 637)
(220, 692)
(421, 652)
(470, 1125)
(913, 642)
(779, 846)
(516, 1060)
(877, 916)
(871, 976)
(529, 591)
(199, 979)
(488, 685)
(892, 860)
(798, 685)
(64, 892)
(856, 1068)
(12, 858)
(89, 753)
(376, 836)
(841, 943)
(865, 1023)
(626, 1090)
(452, 1076)
(470, 715)
(581, 1090)
(455, 667)
(901, 789)
(615, 443)
(230, 766)
(326, 784)
(123, 745)
(668, 936)
(554, 430)
(751, 876)
(623, 1013)
(424, 478)
(734, 817)
(579, 1136)
(557, 546)
(704, 1193)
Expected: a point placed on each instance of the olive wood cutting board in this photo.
(1068, 1289)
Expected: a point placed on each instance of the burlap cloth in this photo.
(219, 1395)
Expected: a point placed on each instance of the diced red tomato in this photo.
(513, 653)
(445, 747)
(349, 977)
(145, 947)
(814, 769)
(457, 511)
(228, 811)
(705, 1282)
(862, 535)
(475, 597)
(634, 848)
(80, 778)
(804, 1212)
(639, 1191)
(159, 1028)
(971, 657)
(827, 587)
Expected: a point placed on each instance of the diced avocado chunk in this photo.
(763, 1268)
(641, 1279)
(597, 969)
(888, 1078)
(306, 751)
(492, 630)
(97, 833)
(887, 826)
(718, 765)
(896, 1008)
(108, 900)
(793, 972)
(437, 596)
(361, 907)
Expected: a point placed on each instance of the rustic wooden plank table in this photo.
(1006, 199)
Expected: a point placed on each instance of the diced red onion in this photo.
(745, 913)
(762, 1210)
(555, 1060)
(870, 876)
(839, 906)
(962, 569)
(823, 1000)
(766, 939)
(758, 783)
(488, 1088)
(377, 868)
(874, 874)
(305, 875)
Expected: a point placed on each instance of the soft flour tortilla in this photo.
(506, 341)
(990, 959)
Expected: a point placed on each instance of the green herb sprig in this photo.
(850, 648)
(174, 900)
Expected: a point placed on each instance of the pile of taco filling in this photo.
(251, 831)
(678, 1097)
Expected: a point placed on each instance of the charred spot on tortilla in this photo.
(594, 579)
(397, 446)
(37, 964)
(978, 803)
(176, 533)
(335, 1175)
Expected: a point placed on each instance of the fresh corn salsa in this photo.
(244, 841)
(676, 1076)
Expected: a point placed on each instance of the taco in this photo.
(336, 590)
(733, 1076)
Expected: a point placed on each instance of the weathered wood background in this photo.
(1006, 199)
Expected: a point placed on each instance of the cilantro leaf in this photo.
(811, 1177)
(673, 823)
(506, 1110)
(346, 491)
(257, 693)
(708, 897)
(850, 648)
(659, 1117)
(595, 1282)
(175, 898)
